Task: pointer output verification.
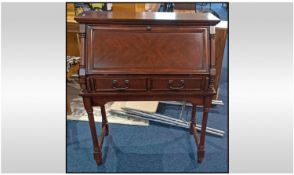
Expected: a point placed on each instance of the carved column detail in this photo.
(212, 57)
(82, 72)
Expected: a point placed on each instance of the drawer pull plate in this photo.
(114, 85)
(182, 85)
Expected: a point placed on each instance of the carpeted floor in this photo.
(155, 148)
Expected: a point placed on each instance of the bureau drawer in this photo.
(117, 84)
(165, 83)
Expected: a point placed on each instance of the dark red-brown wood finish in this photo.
(144, 57)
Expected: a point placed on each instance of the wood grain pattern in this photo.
(134, 49)
(147, 57)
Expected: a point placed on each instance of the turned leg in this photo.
(193, 130)
(193, 119)
(104, 119)
(201, 148)
(97, 149)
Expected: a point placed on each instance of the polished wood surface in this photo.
(205, 19)
(174, 49)
(147, 57)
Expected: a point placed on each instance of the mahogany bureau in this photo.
(147, 56)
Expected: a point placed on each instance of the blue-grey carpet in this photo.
(156, 148)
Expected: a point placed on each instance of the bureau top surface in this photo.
(94, 17)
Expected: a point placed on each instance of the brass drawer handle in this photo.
(182, 85)
(114, 85)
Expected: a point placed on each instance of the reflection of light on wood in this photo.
(211, 16)
(168, 15)
(152, 7)
(222, 24)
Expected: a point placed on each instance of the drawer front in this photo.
(117, 84)
(176, 84)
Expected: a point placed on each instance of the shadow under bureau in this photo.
(147, 56)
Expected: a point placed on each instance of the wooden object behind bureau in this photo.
(72, 44)
(128, 7)
(220, 43)
(72, 31)
(145, 57)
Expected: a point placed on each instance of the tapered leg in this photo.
(201, 147)
(97, 149)
(193, 119)
(104, 119)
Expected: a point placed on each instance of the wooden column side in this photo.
(82, 35)
(212, 58)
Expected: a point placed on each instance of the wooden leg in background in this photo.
(68, 108)
(201, 146)
(104, 119)
(97, 149)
